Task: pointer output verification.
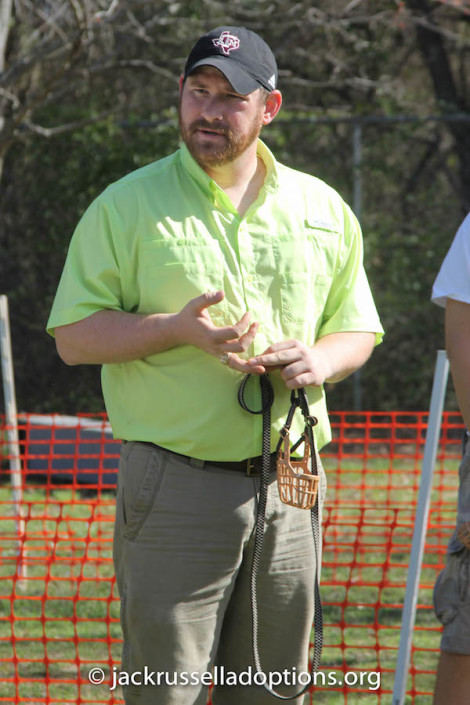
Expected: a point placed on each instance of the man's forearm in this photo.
(108, 337)
(331, 359)
(114, 336)
(457, 324)
(344, 353)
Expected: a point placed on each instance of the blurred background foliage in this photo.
(88, 92)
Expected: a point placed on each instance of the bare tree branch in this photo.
(5, 17)
(107, 14)
(49, 132)
(337, 56)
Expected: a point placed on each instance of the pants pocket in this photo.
(143, 473)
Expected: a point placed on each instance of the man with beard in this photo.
(182, 277)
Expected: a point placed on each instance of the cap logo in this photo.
(227, 42)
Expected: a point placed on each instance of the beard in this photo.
(226, 149)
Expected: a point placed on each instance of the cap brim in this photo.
(239, 79)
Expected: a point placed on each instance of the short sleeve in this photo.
(453, 279)
(90, 280)
(350, 306)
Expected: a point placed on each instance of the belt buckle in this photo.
(249, 466)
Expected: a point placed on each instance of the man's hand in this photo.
(300, 365)
(109, 336)
(193, 326)
(331, 359)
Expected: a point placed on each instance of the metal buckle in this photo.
(249, 466)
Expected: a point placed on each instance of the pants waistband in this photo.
(250, 466)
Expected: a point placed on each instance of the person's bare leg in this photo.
(452, 680)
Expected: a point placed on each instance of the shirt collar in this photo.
(195, 171)
(210, 187)
(271, 180)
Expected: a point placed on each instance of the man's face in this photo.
(217, 124)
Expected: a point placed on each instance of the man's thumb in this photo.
(208, 299)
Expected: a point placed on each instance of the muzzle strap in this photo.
(297, 489)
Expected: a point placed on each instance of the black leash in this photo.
(298, 400)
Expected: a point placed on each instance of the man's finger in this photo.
(281, 345)
(293, 370)
(230, 334)
(227, 336)
(242, 343)
(304, 380)
(276, 359)
(241, 365)
(241, 326)
(247, 338)
(209, 298)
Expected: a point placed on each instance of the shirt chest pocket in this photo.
(303, 290)
(175, 273)
(303, 296)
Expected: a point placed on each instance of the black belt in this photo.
(250, 466)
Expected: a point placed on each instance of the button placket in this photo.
(250, 282)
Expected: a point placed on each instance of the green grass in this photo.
(62, 618)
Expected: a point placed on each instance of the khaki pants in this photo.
(183, 549)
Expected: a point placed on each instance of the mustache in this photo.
(218, 127)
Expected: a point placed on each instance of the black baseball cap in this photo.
(243, 57)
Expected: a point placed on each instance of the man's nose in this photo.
(212, 109)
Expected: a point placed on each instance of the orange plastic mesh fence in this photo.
(59, 606)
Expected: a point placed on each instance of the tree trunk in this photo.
(6, 7)
(433, 50)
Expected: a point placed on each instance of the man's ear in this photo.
(181, 83)
(272, 106)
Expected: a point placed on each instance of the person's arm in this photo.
(110, 336)
(113, 336)
(457, 333)
(331, 359)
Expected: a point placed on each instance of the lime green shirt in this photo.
(165, 234)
